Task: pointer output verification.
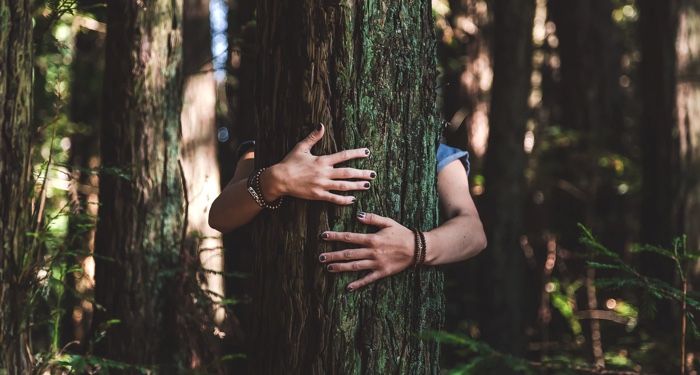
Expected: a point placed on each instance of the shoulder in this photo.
(447, 154)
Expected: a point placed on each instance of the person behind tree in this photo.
(390, 250)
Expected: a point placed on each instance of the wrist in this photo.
(272, 183)
(430, 256)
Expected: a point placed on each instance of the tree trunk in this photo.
(367, 71)
(501, 300)
(591, 106)
(142, 218)
(658, 22)
(203, 248)
(241, 123)
(688, 112)
(17, 254)
(87, 72)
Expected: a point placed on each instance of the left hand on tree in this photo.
(385, 253)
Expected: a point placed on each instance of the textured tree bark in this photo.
(17, 254)
(142, 218)
(367, 71)
(501, 300)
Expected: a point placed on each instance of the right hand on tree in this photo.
(306, 176)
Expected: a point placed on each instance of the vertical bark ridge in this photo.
(17, 252)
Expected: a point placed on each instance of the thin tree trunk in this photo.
(142, 218)
(17, 254)
(367, 71)
(88, 69)
(501, 300)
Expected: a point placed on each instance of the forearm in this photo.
(457, 239)
(235, 207)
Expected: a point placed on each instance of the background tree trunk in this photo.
(658, 23)
(367, 71)
(240, 118)
(87, 73)
(502, 271)
(141, 220)
(17, 253)
(688, 112)
(203, 253)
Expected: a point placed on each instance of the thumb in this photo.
(313, 138)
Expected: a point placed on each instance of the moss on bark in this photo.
(367, 71)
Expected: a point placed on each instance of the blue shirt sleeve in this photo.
(447, 154)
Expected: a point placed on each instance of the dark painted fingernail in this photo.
(319, 126)
(366, 185)
(324, 235)
(366, 151)
(361, 215)
(372, 175)
(330, 267)
(349, 288)
(322, 258)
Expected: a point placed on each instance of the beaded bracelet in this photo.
(255, 190)
(420, 249)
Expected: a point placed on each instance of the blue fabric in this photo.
(447, 154)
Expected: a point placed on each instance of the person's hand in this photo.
(306, 176)
(384, 253)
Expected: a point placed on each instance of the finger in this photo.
(345, 255)
(347, 185)
(360, 265)
(311, 139)
(341, 200)
(347, 173)
(346, 155)
(362, 239)
(375, 220)
(372, 277)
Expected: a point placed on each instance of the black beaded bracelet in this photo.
(255, 190)
(419, 252)
(424, 247)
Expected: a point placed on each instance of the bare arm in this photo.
(461, 236)
(391, 249)
(300, 174)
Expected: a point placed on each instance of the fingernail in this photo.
(349, 288)
(361, 215)
(366, 151)
(319, 126)
(354, 199)
(322, 258)
(324, 235)
(372, 175)
(330, 267)
(366, 185)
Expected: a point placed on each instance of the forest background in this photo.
(582, 119)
